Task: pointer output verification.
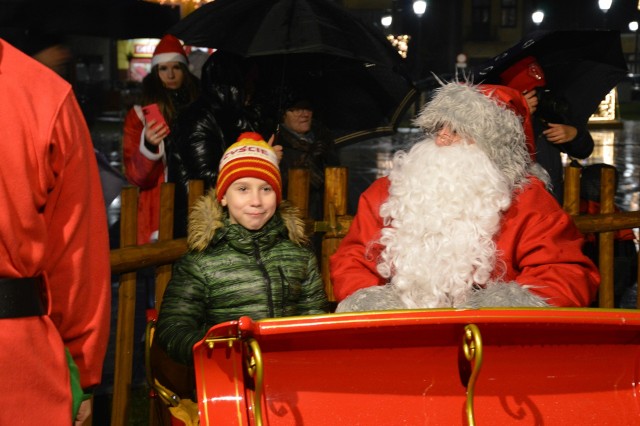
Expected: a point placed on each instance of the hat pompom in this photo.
(169, 49)
(250, 156)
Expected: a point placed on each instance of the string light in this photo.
(400, 42)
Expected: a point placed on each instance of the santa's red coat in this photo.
(538, 242)
(53, 224)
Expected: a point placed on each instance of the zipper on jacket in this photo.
(285, 287)
(265, 274)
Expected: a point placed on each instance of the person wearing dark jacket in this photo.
(248, 254)
(207, 127)
(306, 144)
(554, 128)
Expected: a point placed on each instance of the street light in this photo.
(604, 6)
(386, 21)
(419, 7)
(537, 17)
(633, 26)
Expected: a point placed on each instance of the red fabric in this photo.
(524, 75)
(53, 224)
(169, 49)
(144, 173)
(539, 242)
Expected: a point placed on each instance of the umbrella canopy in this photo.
(348, 69)
(266, 27)
(580, 66)
(353, 99)
(121, 19)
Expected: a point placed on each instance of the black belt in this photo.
(21, 297)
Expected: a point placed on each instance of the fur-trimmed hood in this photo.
(208, 215)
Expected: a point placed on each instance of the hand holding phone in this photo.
(152, 112)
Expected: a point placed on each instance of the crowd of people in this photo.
(469, 216)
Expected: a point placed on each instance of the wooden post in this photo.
(571, 202)
(298, 189)
(126, 313)
(335, 212)
(605, 248)
(165, 233)
(335, 190)
(196, 190)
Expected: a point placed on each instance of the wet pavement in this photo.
(620, 147)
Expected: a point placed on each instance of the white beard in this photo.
(444, 208)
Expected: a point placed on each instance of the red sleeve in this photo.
(139, 170)
(353, 266)
(542, 248)
(77, 259)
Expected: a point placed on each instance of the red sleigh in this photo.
(437, 367)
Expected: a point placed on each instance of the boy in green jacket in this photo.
(248, 254)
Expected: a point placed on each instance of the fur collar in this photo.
(207, 217)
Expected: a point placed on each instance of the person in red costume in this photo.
(54, 251)
(464, 219)
(172, 87)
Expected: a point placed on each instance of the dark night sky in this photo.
(585, 14)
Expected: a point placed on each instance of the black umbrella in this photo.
(120, 19)
(265, 27)
(579, 66)
(352, 74)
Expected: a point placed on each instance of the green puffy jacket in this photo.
(231, 271)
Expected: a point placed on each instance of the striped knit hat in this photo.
(252, 157)
(169, 49)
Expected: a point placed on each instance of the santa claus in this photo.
(464, 219)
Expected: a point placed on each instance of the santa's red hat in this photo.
(524, 75)
(169, 50)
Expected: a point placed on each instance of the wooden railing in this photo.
(604, 224)
(129, 257)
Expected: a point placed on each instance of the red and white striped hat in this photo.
(250, 156)
(169, 50)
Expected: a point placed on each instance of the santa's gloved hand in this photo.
(503, 295)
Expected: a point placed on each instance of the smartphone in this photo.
(152, 112)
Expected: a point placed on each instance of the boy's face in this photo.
(251, 202)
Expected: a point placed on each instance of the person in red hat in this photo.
(171, 86)
(248, 255)
(464, 219)
(554, 129)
